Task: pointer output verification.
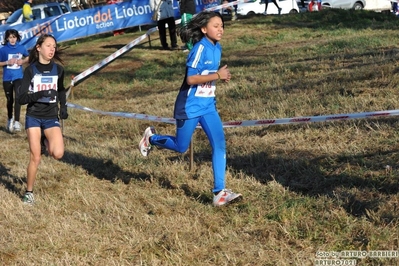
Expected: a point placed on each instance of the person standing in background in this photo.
(267, 3)
(233, 10)
(314, 5)
(27, 11)
(163, 13)
(187, 10)
(12, 56)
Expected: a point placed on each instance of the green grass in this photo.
(307, 187)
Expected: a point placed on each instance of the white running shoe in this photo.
(10, 125)
(264, 13)
(225, 196)
(17, 126)
(145, 145)
(28, 198)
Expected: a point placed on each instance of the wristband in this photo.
(218, 74)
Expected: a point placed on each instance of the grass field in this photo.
(308, 189)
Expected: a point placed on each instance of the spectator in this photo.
(395, 8)
(274, 2)
(76, 5)
(27, 11)
(232, 10)
(163, 13)
(12, 56)
(303, 4)
(187, 10)
(314, 5)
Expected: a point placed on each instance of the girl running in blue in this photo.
(43, 91)
(12, 56)
(196, 102)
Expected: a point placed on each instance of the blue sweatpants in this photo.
(213, 128)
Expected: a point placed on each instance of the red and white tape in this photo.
(110, 58)
(246, 123)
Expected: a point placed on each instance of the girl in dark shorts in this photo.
(43, 91)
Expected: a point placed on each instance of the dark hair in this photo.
(11, 32)
(192, 31)
(34, 54)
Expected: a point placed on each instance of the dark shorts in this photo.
(42, 123)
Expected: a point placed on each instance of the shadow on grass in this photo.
(10, 182)
(101, 169)
(358, 183)
(312, 175)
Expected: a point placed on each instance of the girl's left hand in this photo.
(224, 73)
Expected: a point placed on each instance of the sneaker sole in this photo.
(234, 200)
(144, 151)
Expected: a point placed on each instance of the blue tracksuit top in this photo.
(199, 99)
(8, 51)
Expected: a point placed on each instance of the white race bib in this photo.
(206, 89)
(14, 56)
(44, 83)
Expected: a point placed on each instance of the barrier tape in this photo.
(246, 123)
(111, 57)
(124, 114)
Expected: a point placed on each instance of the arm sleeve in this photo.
(61, 87)
(24, 95)
(25, 53)
(194, 61)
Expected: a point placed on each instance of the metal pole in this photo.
(149, 40)
(191, 154)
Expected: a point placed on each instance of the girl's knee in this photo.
(35, 160)
(57, 155)
(182, 149)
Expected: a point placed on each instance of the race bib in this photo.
(206, 89)
(44, 83)
(16, 57)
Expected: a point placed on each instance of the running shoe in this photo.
(17, 126)
(145, 145)
(225, 196)
(28, 198)
(10, 125)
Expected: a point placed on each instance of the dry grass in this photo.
(307, 188)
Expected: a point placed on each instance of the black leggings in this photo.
(172, 31)
(10, 89)
(274, 1)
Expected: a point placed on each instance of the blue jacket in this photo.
(8, 51)
(199, 99)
